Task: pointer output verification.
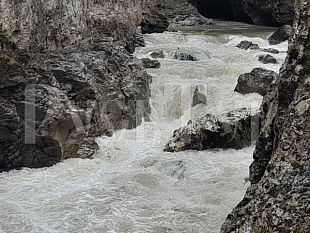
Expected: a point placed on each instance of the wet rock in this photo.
(158, 54)
(154, 22)
(280, 35)
(55, 109)
(278, 198)
(198, 98)
(259, 80)
(247, 45)
(266, 59)
(184, 56)
(149, 63)
(231, 130)
(185, 20)
(270, 50)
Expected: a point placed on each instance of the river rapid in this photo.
(132, 185)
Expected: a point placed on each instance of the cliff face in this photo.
(50, 25)
(67, 76)
(278, 198)
(263, 12)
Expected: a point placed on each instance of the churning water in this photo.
(132, 185)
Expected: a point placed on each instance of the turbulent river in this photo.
(132, 185)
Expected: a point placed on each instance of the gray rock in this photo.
(259, 80)
(186, 20)
(184, 56)
(158, 54)
(247, 45)
(231, 130)
(149, 63)
(270, 50)
(266, 59)
(280, 35)
(154, 22)
(198, 98)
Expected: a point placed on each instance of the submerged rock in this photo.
(266, 59)
(259, 80)
(247, 45)
(149, 63)
(158, 54)
(270, 50)
(184, 56)
(235, 129)
(280, 35)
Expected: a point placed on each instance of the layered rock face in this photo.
(67, 77)
(270, 12)
(278, 198)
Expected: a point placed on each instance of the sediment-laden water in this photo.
(132, 185)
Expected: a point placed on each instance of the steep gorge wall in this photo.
(278, 198)
(41, 25)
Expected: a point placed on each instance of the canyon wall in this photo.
(67, 76)
(278, 197)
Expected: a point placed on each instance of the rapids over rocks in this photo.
(132, 185)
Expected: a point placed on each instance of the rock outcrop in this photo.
(259, 80)
(181, 13)
(278, 198)
(270, 12)
(235, 129)
(281, 34)
(67, 77)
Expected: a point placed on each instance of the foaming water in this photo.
(132, 185)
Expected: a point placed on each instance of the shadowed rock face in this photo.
(278, 198)
(270, 12)
(64, 100)
(67, 77)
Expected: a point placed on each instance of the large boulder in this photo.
(280, 35)
(154, 22)
(235, 129)
(278, 198)
(259, 80)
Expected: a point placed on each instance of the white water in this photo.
(132, 185)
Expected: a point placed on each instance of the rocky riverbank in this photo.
(278, 198)
(67, 76)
